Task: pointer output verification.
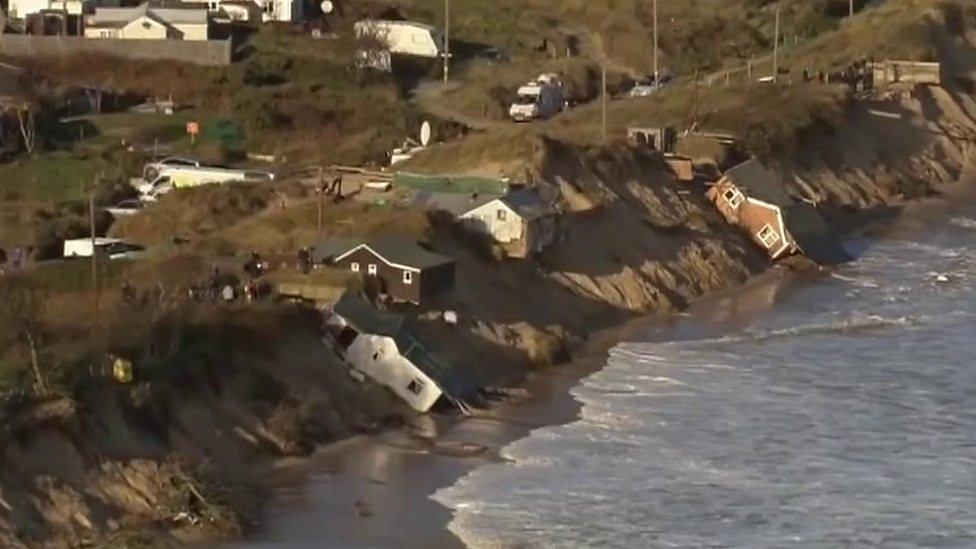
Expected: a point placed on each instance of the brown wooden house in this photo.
(400, 267)
(750, 197)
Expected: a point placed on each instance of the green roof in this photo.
(446, 183)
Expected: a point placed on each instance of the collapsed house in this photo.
(398, 267)
(384, 348)
(750, 197)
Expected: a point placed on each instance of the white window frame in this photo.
(371, 269)
(354, 266)
(501, 214)
(419, 384)
(771, 237)
(408, 277)
(736, 199)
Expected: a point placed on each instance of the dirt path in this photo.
(429, 96)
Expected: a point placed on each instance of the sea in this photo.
(843, 417)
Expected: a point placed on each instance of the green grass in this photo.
(48, 177)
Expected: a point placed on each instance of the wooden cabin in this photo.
(401, 268)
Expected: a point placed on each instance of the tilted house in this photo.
(382, 347)
(403, 269)
(147, 22)
(750, 197)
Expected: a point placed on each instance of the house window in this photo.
(371, 269)
(416, 386)
(733, 197)
(146, 25)
(502, 215)
(354, 267)
(768, 236)
(407, 277)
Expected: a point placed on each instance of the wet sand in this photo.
(374, 491)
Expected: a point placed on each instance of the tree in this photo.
(22, 306)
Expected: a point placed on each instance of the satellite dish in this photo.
(425, 133)
(327, 6)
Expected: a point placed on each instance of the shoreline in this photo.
(390, 477)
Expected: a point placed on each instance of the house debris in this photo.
(384, 348)
(750, 197)
(400, 267)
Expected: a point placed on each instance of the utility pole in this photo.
(604, 96)
(776, 50)
(852, 8)
(447, 40)
(694, 101)
(321, 191)
(94, 249)
(657, 80)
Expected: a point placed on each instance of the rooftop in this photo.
(755, 181)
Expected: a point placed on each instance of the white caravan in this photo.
(541, 98)
(402, 37)
(112, 248)
(181, 177)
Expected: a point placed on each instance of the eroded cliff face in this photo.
(185, 451)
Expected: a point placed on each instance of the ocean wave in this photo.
(964, 222)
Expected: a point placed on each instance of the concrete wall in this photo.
(199, 52)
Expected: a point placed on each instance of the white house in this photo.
(521, 222)
(285, 11)
(379, 346)
(149, 23)
(22, 9)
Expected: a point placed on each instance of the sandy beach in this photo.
(374, 491)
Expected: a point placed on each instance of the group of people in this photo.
(858, 75)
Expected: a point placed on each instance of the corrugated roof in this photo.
(755, 181)
(464, 184)
(813, 236)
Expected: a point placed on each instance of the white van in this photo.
(541, 98)
(181, 177)
(403, 37)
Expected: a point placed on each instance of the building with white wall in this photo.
(149, 23)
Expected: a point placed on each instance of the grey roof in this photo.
(813, 236)
(454, 203)
(367, 319)
(329, 247)
(755, 181)
(406, 251)
(527, 204)
(114, 17)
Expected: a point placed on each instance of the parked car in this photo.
(125, 207)
(648, 85)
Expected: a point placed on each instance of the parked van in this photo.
(403, 37)
(541, 98)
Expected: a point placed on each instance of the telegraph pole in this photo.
(776, 50)
(94, 249)
(852, 7)
(447, 40)
(604, 95)
(657, 80)
(321, 190)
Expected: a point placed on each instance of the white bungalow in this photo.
(521, 222)
(149, 23)
(378, 346)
